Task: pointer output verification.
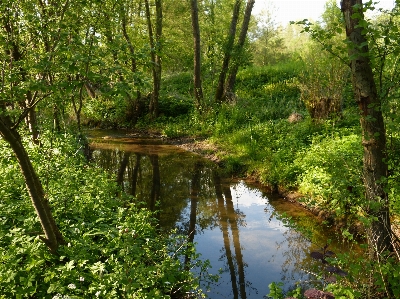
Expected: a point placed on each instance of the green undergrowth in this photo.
(320, 158)
(113, 249)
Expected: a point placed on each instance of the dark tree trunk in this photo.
(194, 191)
(230, 84)
(158, 49)
(27, 103)
(156, 186)
(134, 111)
(198, 90)
(53, 237)
(31, 118)
(56, 119)
(223, 221)
(373, 130)
(121, 170)
(155, 50)
(77, 109)
(228, 52)
(135, 174)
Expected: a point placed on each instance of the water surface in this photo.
(235, 225)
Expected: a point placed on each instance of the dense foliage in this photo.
(292, 123)
(114, 249)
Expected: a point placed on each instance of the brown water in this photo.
(236, 225)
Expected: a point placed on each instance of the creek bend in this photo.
(236, 225)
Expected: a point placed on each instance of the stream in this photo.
(235, 224)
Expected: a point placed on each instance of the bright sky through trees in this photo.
(285, 11)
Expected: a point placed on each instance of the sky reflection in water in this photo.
(237, 225)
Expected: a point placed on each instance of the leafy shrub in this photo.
(331, 171)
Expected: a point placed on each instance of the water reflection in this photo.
(235, 225)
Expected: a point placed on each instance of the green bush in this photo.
(331, 171)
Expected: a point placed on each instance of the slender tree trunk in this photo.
(230, 84)
(121, 170)
(134, 104)
(158, 50)
(156, 186)
(56, 119)
(223, 222)
(198, 90)
(194, 191)
(373, 130)
(155, 50)
(233, 221)
(228, 52)
(53, 237)
(135, 174)
(16, 56)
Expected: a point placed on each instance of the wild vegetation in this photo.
(274, 110)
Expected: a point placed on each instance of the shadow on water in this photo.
(235, 225)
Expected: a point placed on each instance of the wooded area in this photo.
(310, 107)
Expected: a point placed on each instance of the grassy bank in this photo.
(255, 136)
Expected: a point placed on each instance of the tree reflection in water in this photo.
(192, 197)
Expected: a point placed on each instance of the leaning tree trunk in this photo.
(228, 52)
(230, 84)
(373, 129)
(53, 237)
(198, 90)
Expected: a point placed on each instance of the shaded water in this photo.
(235, 224)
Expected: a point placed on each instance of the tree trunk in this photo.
(135, 174)
(223, 222)
(233, 221)
(230, 84)
(121, 170)
(16, 55)
(155, 58)
(158, 49)
(194, 192)
(156, 186)
(53, 237)
(133, 112)
(198, 90)
(228, 52)
(373, 130)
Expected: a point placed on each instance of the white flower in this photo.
(71, 286)
(58, 296)
(81, 278)
(98, 293)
